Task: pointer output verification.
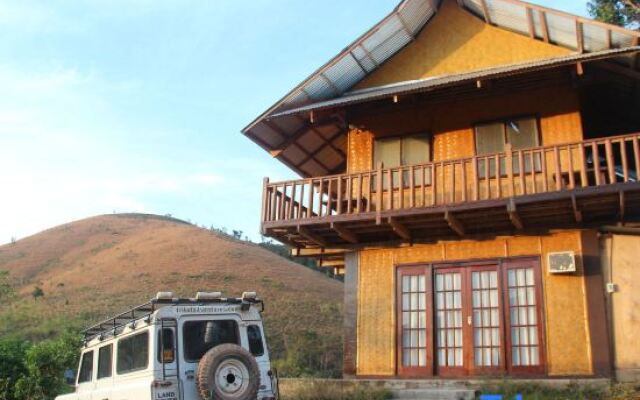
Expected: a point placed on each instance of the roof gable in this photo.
(454, 42)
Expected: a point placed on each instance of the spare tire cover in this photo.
(228, 372)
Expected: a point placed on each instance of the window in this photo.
(414, 321)
(523, 317)
(255, 340)
(105, 361)
(86, 367)
(166, 346)
(200, 336)
(406, 150)
(133, 353)
(492, 138)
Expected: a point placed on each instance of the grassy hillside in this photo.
(92, 268)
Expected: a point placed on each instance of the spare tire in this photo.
(228, 372)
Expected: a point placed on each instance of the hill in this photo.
(96, 267)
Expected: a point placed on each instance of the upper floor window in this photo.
(493, 138)
(402, 150)
(520, 133)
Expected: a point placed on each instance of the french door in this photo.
(470, 319)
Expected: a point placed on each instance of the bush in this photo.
(36, 371)
(309, 354)
(323, 390)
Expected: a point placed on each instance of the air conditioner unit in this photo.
(562, 262)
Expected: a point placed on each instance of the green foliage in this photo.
(308, 354)
(326, 390)
(6, 290)
(619, 12)
(36, 371)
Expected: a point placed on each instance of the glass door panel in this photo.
(487, 319)
(414, 321)
(449, 320)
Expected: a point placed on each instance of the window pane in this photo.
(104, 361)
(255, 340)
(522, 133)
(387, 151)
(489, 139)
(416, 149)
(166, 346)
(86, 367)
(133, 353)
(200, 336)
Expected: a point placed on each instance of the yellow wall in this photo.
(455, 41)
(567, 335)
(619, 258)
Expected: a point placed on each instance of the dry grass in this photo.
(92, 268)
(310, 389)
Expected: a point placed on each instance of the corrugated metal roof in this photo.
(394, 32)
(416, 86)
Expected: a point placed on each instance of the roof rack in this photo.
(111, 326)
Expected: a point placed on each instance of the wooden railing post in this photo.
(265, 201)
(510, 183)
(379, 193)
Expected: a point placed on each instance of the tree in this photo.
(6, 290)
(37, 292)
(12, 367)
(619, 12)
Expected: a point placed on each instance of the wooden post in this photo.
(596, 162)
(510, 183)
(610, 164)
(359, 195)
(339, 197)
(572, 182)
(636, 154)
(625, 162)
(412, 187)
(523, 171)
(379, 194)
(583, 166)
(558, 167)
(310, 205)
(433, 184)
(545, 177)
(464, 180)
(476, 184)
(265, 201)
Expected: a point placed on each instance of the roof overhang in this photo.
(318, 147)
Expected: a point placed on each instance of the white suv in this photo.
(208, 347)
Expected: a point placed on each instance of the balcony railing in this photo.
(388, 192)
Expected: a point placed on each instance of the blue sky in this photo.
(137, 105)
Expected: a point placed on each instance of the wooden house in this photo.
(472, 168)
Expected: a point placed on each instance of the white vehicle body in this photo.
(153, 351)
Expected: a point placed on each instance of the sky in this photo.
(137, 105)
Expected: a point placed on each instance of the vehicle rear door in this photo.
(197, 334)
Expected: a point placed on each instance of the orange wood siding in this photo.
(456, 41)
(567, 334)
(452, 123)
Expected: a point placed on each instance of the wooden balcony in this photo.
(581, 184)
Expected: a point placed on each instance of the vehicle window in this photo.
(200, 336)
(105, 355)
(133, 353)
(255, 340)
(166, 346)
(86, 367)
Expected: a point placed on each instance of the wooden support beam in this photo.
(532, 29)
(577, 214)
(485, 11)
(579, 36)
(345, 233)
(514, 217)
(399, 229)
(543, 23)
(331, 263)
(623, 206)
(454, 223)
(307, 234)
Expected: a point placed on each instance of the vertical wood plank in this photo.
(320, 198)
(510, 168)
(369, 188)
(523, 169)
(596, 162)
(310, 205)
(283, 202)
(572, 182)
(329, 197)
(558, 168)
(359, 195)
(636, 155)
(433, 184)
(498, 175)
(424, 185)
(464, 181)
(301, 202)
(348, 195)
(292, 202)
(379, 194)
(532, 158)
(390, 187)
(412, 187)
(625, 161)
(452, 182)
(545, 176)
(610, 164)
(265, 190)
(401, 187)
(583, 166)
(487, 176)
(339, 196)
(476, 178)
